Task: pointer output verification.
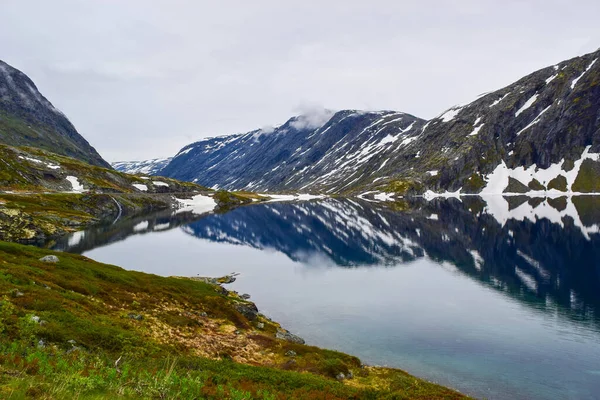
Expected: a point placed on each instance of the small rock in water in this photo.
(49, 259)
(290, 353)
(245, 296)
(340, 377)
(290, 337)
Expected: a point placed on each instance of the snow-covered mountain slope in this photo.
(147, 167)
(28, 119)
(542, 133)
(298, 155)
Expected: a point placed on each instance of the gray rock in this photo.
(72, 342)
(290, 353)
(290, 337)
(340, 377)
(248, 310)
(134, 316)
(260, 325)
(43, 322)
(245, 296)
(203, 314)
(349, 375)
(50, 259)
(41, 344)
(35, 318)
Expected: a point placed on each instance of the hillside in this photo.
(538, 134)
(44, 195)
(27, 118)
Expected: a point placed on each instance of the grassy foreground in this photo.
(64, 325)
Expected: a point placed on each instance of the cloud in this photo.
(142, 79)
(311, 116)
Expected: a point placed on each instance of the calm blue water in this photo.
(499, 298)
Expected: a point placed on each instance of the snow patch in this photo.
(527, 104)
(139, 186)
(574, 82)
(198, 204)
(76, 186)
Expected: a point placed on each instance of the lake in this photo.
(497, 297)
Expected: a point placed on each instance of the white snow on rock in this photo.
(141, 226)
(527, 104)
(476, 130)
(574, 82)
(198, 204)
(535, 120)
(141, 187)
(551, 78)
(35, 160)
(497, 181)
(76, 187)
(450, 114)
(495, 103)
(159, 183)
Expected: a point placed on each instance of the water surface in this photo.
(497, 297)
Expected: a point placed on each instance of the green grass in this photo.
(189, 342)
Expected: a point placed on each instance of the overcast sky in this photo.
(141, 79)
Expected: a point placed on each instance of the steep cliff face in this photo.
(28, 119)
(542, 133)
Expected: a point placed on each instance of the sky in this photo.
(140, 79)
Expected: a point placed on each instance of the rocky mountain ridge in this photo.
(27, 118)
(539, 134)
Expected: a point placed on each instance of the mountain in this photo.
(541, 133)
(28, 119)
(147, 167)
(29, 169)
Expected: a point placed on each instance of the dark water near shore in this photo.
(499, 298)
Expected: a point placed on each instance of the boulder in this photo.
(50, 259)
(290, 337)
